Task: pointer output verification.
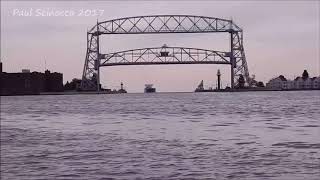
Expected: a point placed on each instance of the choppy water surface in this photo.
(253, 135)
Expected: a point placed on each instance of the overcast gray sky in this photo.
(280, 37)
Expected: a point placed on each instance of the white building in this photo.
(316, 82)
(290, 84)
(308, 83)
(278, 83)
(298, 83)
(281, 83)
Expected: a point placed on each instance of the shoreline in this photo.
(254, 90)
(208, 91)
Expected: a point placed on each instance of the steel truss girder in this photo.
(164, 55)
(163, 24)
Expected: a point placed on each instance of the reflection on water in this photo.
(254, 135)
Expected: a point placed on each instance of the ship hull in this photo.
(150, 90)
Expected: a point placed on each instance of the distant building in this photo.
(53, 81)
(299, 83)
(308, 83)
(278, 83)
(21, 83)
(316, 82)
(74, 85)
(30, 83)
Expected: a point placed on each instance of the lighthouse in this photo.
(219, 80)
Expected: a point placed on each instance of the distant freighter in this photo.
(149, 88)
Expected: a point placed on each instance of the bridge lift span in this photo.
(157, 24)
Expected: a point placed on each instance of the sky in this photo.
(280, 37)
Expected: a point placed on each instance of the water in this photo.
(249, 135)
